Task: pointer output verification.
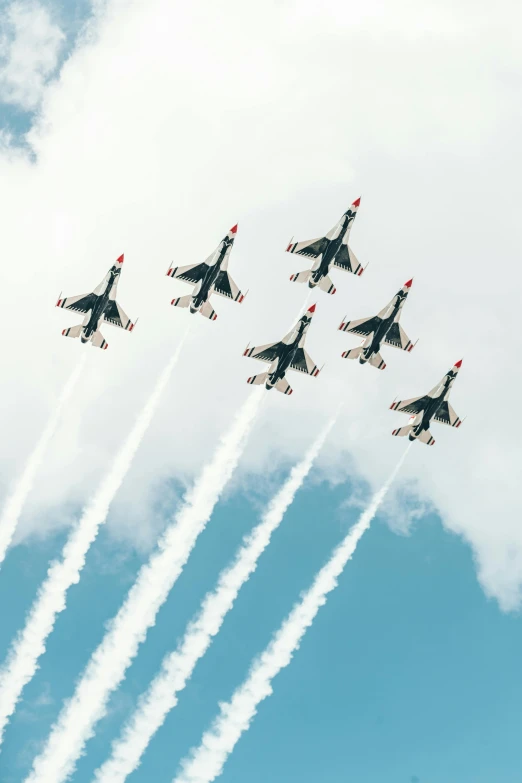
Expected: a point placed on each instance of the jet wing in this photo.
(192, 273)
(80, 304)
(446, 415)
(303, 363)
(310, 247)
(265, 353)
(412, 406)
(398, 338)
(225, 286)
(115, 315)
(363, 326)
(345, 259)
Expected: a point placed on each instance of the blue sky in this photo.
(408, 672)
(69, 17)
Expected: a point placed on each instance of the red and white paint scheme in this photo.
(328, 251)
(99, 307)
(432, 406)
(209, 277)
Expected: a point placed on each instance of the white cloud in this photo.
(30, 45)
(165, 130)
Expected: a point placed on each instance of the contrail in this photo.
(178, 666)
(206, 762)
(22, 659)
(107, 665)
(16, 500)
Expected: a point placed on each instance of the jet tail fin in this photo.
(99, 341)
(73, 331)
(354, 353)
(326, 284)
(257, 380)
(301, 277)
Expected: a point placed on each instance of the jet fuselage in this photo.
(286, 355)
(100, 306)
(331, 251)
(423, 419)
(202, 292)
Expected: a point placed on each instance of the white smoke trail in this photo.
(206, 762)
(178, 666)
(22, 659)
(108, 663)
(16, 500)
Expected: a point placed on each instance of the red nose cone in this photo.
(120, 259)
(408, 284)
(233, 229)
(458, 364)
(311, 309)
(356, 202)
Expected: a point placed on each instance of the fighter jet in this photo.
(289, 354)
(382, 328)
(331, 250)
(210, 277)
(100, 306)
(433, 405)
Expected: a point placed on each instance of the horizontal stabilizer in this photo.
(182, 301)
(283, 386)
(426, 437)
(354, 353)
(377, 361)
(73, 331)
(257, 380)
(326, 285)
(402, 431)
(99, 341)
(207, 311)
(301, 277)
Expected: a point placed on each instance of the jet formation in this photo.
(212, 277)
